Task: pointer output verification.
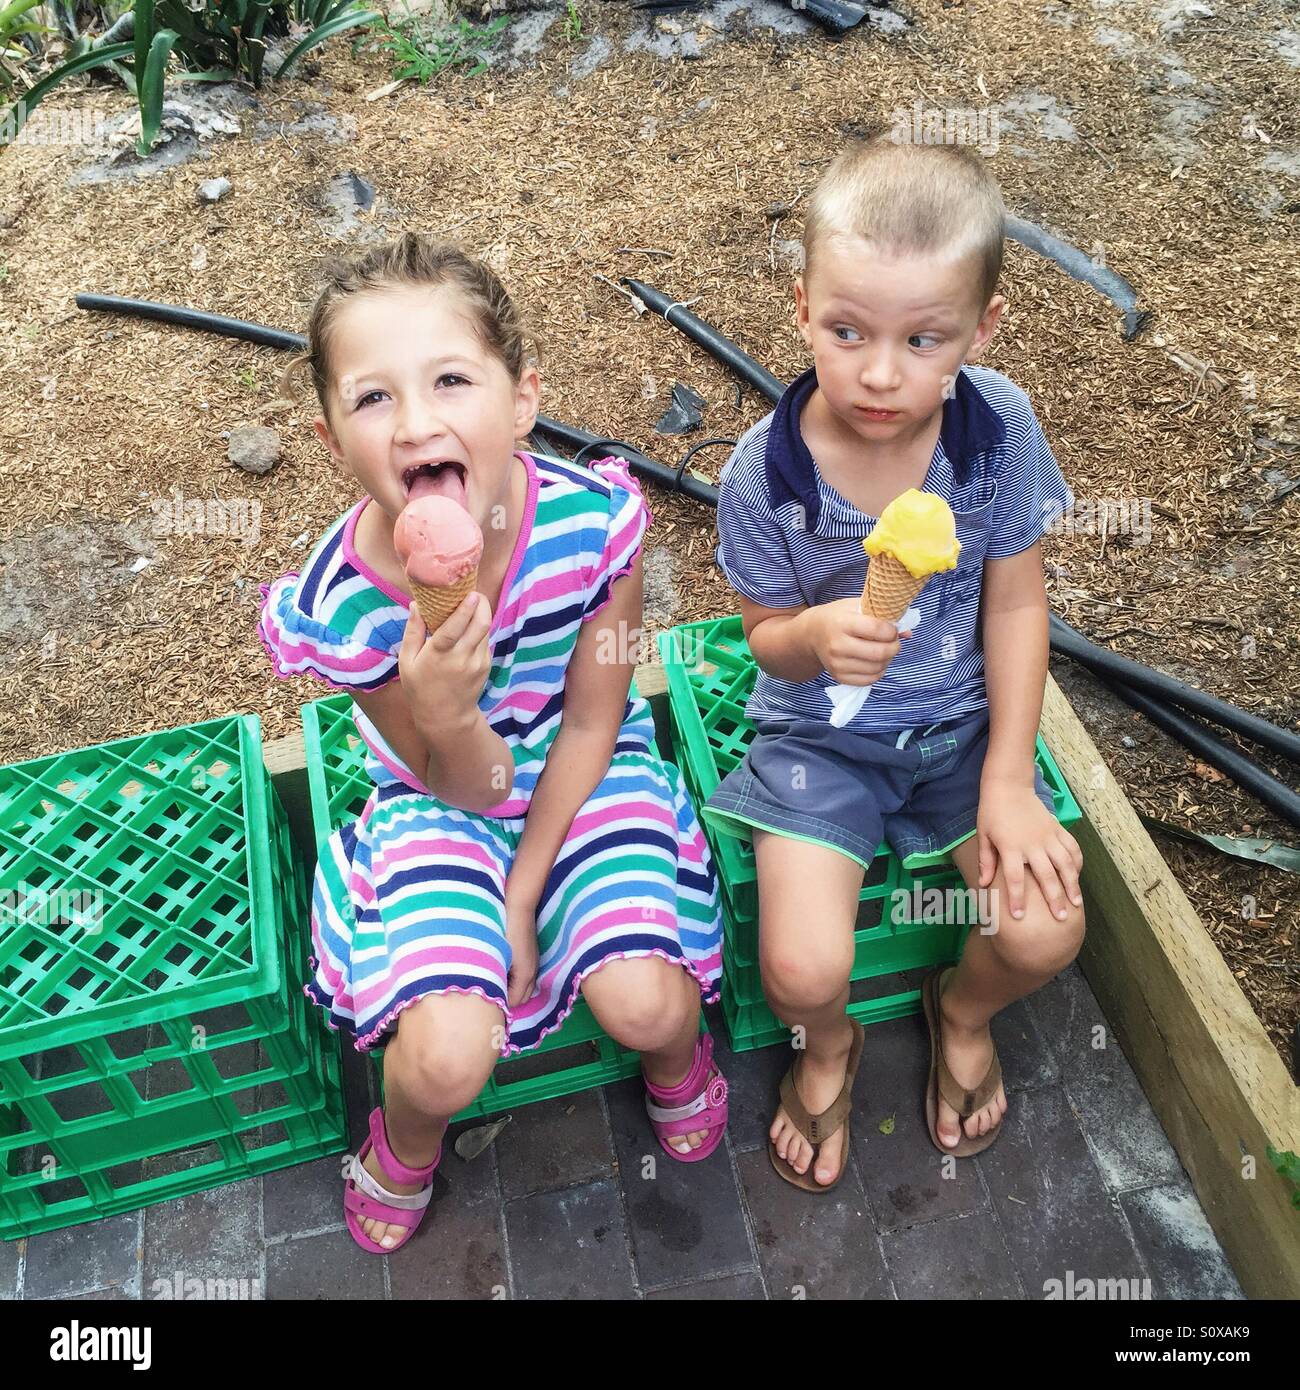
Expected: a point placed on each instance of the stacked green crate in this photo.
(573, 1058)
(711, 675)
(154, 1035)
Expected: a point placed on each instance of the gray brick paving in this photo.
(563, 1204)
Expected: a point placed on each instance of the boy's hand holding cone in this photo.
(916, 537)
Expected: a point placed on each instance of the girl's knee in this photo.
(642, 1003)
(445, 1052)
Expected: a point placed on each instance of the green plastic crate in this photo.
(161, 1043)
(576, 1056)
(711, 675)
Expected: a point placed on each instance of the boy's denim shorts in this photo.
(917, 789)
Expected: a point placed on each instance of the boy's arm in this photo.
(1014, 827)
(778, 640)
(595, 696)
(1014, 620)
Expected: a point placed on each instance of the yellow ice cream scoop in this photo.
(918, 530)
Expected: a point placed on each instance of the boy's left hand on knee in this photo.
(1016, 830)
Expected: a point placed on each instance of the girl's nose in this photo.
(417, 421)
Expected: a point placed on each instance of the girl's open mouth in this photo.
(439, 479)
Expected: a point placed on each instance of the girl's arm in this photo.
(595, 695)
(467, 766)
(430, 716)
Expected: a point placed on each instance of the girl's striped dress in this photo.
(410, 899)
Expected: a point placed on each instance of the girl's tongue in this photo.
(444, 481)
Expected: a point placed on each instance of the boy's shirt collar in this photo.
(970, 427)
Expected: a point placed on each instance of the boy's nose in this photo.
(879, 372)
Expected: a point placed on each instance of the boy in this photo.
(902, 251)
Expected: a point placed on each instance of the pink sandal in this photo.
(365, 1199)
(698, 1102)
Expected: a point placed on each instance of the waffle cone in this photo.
(890, 588)
(438, 603)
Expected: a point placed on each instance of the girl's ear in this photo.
(326, 436)
(528, 397)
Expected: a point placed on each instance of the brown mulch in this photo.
(101, 417)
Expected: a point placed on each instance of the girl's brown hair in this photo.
(411, 261)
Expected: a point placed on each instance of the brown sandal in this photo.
(816, 1129)
(942, 1082)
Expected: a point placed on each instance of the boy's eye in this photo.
(844, 333)
(923, 340)
(363, 399)
(452, 379)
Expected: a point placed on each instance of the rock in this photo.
(212, 190)
(255, 448)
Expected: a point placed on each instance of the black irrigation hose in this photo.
(580, 442)
(1085, 269)
(1112, 667)
(292, 342)
(1277, 796)
(708, 337)
(194, 318)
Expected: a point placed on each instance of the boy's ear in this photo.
(528, 397)
(987, 327)
(801, 310)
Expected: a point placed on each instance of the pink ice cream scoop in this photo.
(437, 541)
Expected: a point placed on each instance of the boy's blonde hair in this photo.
(909, 199)
(411, 261)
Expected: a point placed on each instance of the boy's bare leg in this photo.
(808, 902)
(997, 967)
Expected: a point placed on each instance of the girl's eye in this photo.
(842, 332)
(366, 397)
(923, 340)
(452, 379)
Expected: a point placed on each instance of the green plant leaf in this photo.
(144, 32)
(348, 19)
(15, 117)
(151, 90)
(11, 12)
(1237, 846)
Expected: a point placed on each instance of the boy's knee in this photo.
(1039, 943)
(805, 979)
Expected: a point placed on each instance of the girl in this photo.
(505, 861)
